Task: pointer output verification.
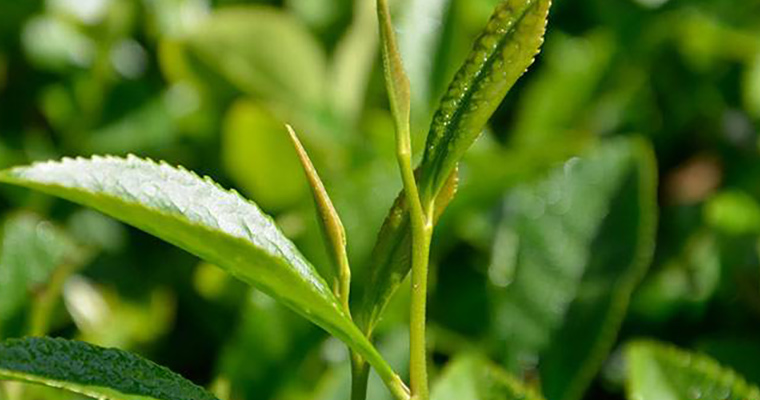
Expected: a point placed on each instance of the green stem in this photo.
(44, 304)
(359, 377)
(422, 230)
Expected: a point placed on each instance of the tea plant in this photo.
(606, 215)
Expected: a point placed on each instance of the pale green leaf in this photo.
(472, 377)
(102, 373)
(31, 250)
(262, 51)
(254, 140)
(199, 216)
(396, 80)
(659, 371)
(574, 247)
(329, 220)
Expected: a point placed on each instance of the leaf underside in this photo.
(93, 371)
(659, 371)
(499, 57)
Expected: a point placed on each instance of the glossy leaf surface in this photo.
(502, 53)
(202, 218)
(661, 372)
(93, 371)
(573, 248)
(500, 56)
(474, 378)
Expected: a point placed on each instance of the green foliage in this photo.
(93, 371)
(499, 57)
(529, 285)
(571, 250)
(202, 218)
(472, 377)
(663, 372)
(32, 249)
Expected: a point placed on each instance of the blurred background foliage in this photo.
(208, 84)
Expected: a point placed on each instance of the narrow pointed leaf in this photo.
(500, 56)
(332, 227)
(472, 377)
(200, 217)
(93, 371)
(659, 371)
(396, 80)
(502, 53)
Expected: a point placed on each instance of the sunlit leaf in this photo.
(661, 372)
(332, 227)
(199, 216)
(97, 372)
(580, 242)
(502, 53)
(500, 56)
(472, 377)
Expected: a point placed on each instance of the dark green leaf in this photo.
(474, 378)
(502, 53)
(576, 245)
(658, 371)
(199, 216)
(93, 371)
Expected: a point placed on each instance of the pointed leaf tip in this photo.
(329, 220)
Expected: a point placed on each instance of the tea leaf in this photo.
(200, 217)
(92, 371)
(659, 371)
(580, 242)
(263, 52)
(31, 250)
(332, 227)
(396, 81)
(471, 377)
(391, 255)
(501, 54)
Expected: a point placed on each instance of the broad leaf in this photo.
(474, 378)
(262, 51)
(661, 372)
(573, 247)
(97, 372)
(500, 56)
(502, 53)
(31, 250)
(199, 216)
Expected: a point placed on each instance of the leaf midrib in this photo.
(460, 111)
